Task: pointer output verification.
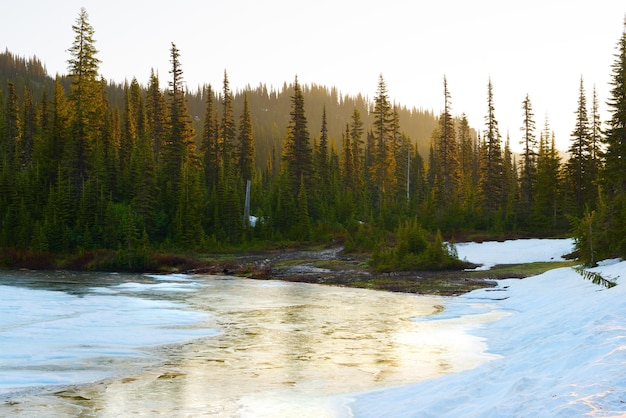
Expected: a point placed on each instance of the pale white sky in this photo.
(535, 47)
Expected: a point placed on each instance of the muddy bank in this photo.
(333, 267)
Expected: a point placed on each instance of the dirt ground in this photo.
(332, 267)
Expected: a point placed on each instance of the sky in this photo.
(537, 47)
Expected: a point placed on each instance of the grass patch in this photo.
(522, 270)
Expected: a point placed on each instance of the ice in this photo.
(561, 348)
(52, 337)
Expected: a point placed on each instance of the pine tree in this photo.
(246, 152)
(210, 143)
(347, 161)
(179, 146)
(383, 164)
(30, 128)
(546, 211)
(85, 97)
(156, 110)
(321, 153)
(446, 150)
(228, 128)
(467, 165)
(60, 129)
(529, 156)
(9, 147)
(491, 169)
(510, 186)
(613, 176)
(143, 170)
(356, 140)
(320, 195)
(580, 180)
(297, 152)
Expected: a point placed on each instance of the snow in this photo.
(490, 253)
(561, 346)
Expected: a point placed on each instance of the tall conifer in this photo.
(613, 176)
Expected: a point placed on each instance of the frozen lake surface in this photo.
(114, 344)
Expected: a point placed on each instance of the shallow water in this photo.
(216, 346)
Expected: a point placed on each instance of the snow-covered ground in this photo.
(490, 253)
(561, 346)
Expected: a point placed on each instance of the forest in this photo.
(120, 172)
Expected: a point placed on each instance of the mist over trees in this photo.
(89, 164)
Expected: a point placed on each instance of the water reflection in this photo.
(284, 349)
(287, 348)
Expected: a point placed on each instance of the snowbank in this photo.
(562, 353)
(491, 253)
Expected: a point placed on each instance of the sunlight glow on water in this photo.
(281, 349)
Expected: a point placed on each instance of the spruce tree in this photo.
(467, 165)
(579, 176)
(84, 93)
(228, 128)
(613, 176)
(9, 147)
(547, 214)
(246, 152)
(156, 112)
(491, 167)
(179, 146)
(529, 156)
(446, 150)
(297, 152)
(383, 164)
(210, 142)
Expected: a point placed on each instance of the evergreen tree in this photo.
(156, 112)
(321, 153)
(446, 150)
(613, 176)
(356, 140)
(143, 170)
(580, 180)
(60, 130)
(210, 142)
(596, 136)
(529, 156)
(546, 211)
(467, 165)
(297, 152)
(85, 97)
(228, 127)
(179, 146)
(510, 189)
(347, 161)
(11, 142)
(323, 176)
(30, 130)
(246, 152)
(383, 164)
(491, 168)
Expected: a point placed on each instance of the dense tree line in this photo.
(87, 164)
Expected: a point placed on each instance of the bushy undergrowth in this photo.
(413, 248)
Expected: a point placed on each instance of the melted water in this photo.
(281, 349)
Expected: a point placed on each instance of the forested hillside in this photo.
(87, 164)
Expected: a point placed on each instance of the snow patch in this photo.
(559, 349)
